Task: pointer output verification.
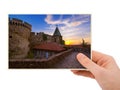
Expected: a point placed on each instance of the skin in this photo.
(102, 68)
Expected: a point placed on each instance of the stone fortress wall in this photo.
(38, 37)
(19, 33)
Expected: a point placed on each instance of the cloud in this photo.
(68, 22)
(49, 20)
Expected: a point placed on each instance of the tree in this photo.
(44, 37)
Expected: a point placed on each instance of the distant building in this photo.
(47, 49)
(57, 37)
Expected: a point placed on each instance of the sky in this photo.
(73, 27)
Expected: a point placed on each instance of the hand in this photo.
(103, 68)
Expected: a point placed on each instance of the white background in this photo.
(105, 38)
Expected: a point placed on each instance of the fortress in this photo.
(22, 40)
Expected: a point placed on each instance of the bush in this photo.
(30, 55)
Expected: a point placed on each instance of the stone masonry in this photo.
(19, 33)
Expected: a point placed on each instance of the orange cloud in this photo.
(77, 23)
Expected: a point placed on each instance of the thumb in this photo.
(89, 64)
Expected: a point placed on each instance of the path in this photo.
(69, 62)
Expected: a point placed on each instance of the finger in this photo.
(83, 73)
(97, 56)
(103, 59)
(86, 62)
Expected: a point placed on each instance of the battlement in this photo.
(18, 22)
(37, 33)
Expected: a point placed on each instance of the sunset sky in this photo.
(73, 27)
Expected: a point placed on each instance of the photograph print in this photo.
(48, 41)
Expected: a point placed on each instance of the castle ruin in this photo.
(22, 39)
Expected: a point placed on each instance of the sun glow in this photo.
(68, 42)
(72, 42)
(76, 42)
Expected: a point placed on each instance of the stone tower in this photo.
(19, 33)
(57, 37)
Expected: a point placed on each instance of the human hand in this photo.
(103, 68)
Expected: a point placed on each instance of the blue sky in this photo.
(72, 27)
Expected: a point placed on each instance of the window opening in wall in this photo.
(10, 36)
